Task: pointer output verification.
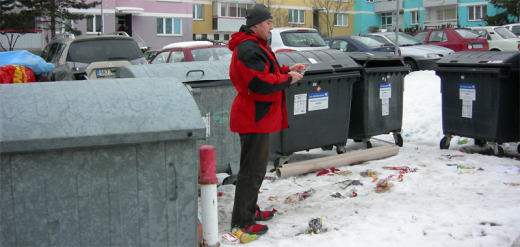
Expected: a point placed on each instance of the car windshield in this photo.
(505, 33)
(404, 39)
(211, 54)
(302, 39)
(467, 34)
(370, 42)
(90, 51)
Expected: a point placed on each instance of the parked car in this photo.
(93, 57)
(295, 39)
(457, 39)
(499, 38)
(417, 55)
(515, 28)
(148, 55)
(358, 44)
(189, 51)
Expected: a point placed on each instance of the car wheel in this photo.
(411, 64)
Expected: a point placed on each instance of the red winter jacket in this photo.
(259, 106)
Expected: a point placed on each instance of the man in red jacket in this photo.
(258, 109)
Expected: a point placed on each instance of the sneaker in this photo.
(262, 215)
(256, 229)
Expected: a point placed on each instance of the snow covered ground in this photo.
(438, 205)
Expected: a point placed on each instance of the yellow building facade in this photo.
(218, 19)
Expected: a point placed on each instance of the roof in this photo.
(186, 44)
(281, 29)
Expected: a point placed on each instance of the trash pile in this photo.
(22, 67)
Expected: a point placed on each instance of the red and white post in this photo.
(208, 192)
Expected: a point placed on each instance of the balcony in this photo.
(387, 6)
(228, 24)
(440, 23)
(437, 3)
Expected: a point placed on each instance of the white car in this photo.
(515, 28)
(499, 38)
(295, 39)
(416, 54)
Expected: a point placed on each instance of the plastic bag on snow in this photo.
(27, 59)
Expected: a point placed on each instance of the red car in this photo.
(190, 51)
(457, 39)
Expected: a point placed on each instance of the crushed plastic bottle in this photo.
(244, 237)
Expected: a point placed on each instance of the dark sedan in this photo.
(358, 44)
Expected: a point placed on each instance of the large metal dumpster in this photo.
(91, 163)
(377, 101)
(480, 97)
(318, 105)
(214, 94)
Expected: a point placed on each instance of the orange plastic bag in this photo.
(16, 74)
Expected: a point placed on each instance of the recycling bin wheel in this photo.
(444, 144)
(500, 151)
(480, 142)
(341, 149)
(398, 140)
(369, 144)
(327, 148)
(518, 148)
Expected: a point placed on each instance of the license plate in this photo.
(104, 73)
(477, 46)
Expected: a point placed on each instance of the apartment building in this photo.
(218, 19)
(422, 13)
(155, 23)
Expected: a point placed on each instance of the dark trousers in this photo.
(253, 165)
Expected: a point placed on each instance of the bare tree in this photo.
(280, 15)
(328, 12)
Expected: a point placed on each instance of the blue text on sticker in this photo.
(318, 95)
(467, 86)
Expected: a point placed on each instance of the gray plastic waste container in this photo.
(318, 106)
(480, 97)
(377, 98)
(214, 94)
(99, 163)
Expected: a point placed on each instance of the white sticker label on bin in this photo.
(385, 91)
(318, 101)
(467, 108)
(467, 92)
(385, 106)
(300, 104)
(207, 121)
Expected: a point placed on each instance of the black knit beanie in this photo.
(257, 14)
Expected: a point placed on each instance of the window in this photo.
(437, 36)
(234, 9)
(226, 36)
(216, 37)
(161, 58)
(415, 17)
(340, 20)
(386, 20)
(197, 12)
(171, 26)
(447, 14)
(94, 24)
(421, 36)
(296, 16)
(476, 13)
(176, 57)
